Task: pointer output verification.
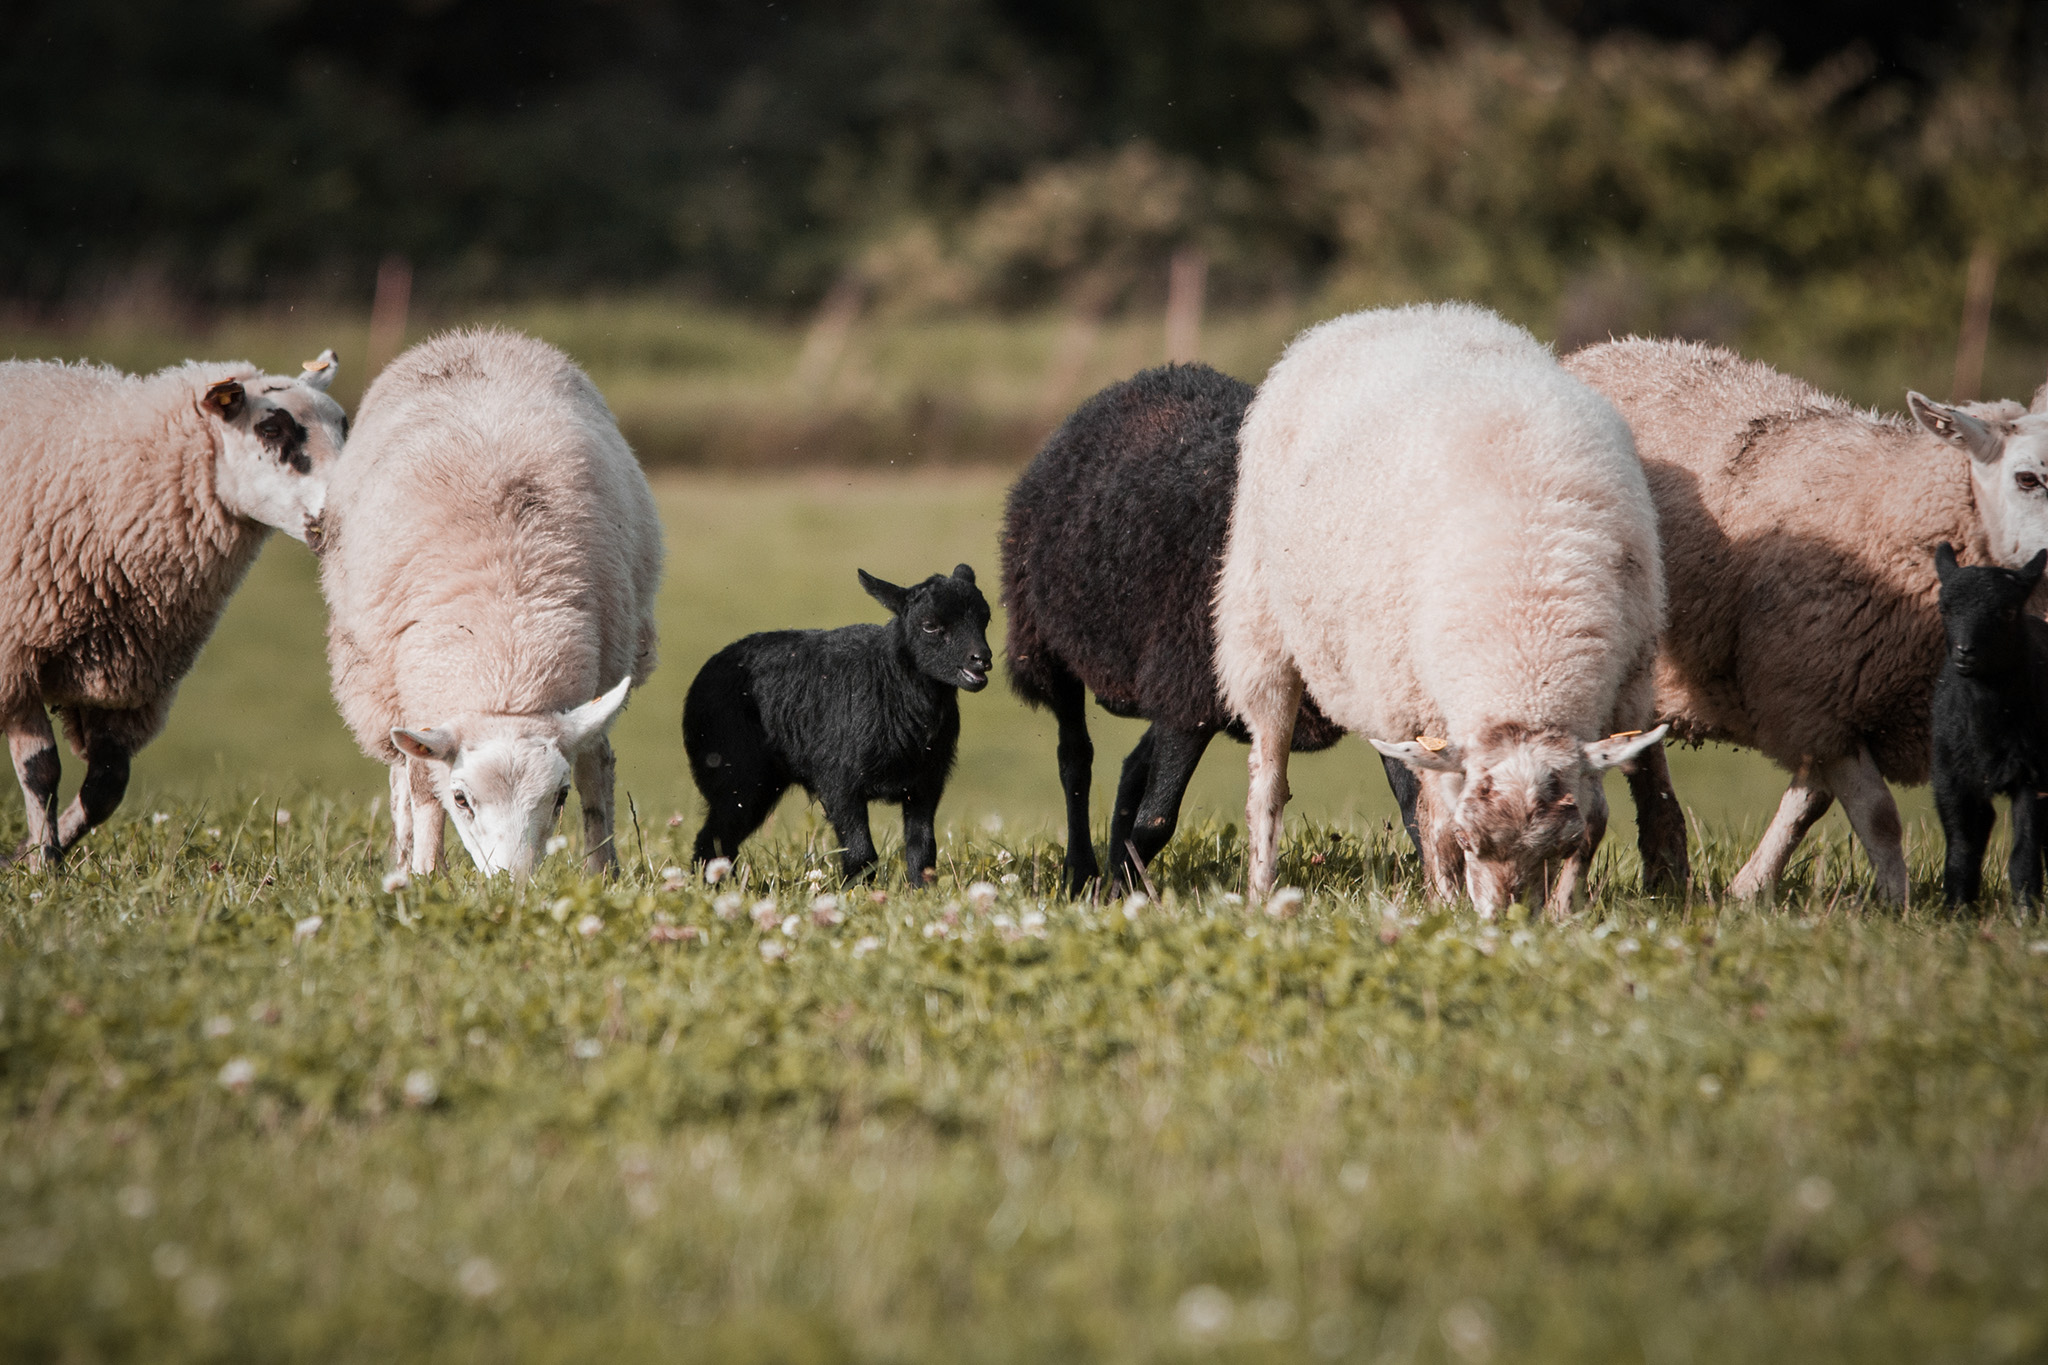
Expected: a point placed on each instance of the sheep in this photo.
(491, 563)
(1797, 535)
(1988, 734)
(137, 506)
(858, 714)
(1111, 541)
(1513, 638)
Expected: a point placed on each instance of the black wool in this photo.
(1989, 733)
(1112, 540)
(858, 714)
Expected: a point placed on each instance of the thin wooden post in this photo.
(1975, 336)
(826, 341)
(387, 314)
(1187, 281)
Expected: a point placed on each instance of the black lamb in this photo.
(1112, 540)
(1989, 733)
(858, 714)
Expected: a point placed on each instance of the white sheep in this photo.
(492, 554)
(1799, 537)
(1445, 536)
(132, 508)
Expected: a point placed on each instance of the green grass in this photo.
(1670, 1130)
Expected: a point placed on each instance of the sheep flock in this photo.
(1505, 570)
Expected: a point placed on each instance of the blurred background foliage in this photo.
(1808, 182)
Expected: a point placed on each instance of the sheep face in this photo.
(2008, 450)
(1517, 804)
(1981, 610)
(942, 624)
(276, 441)
(503, 780)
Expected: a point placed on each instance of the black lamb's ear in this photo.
(2032, 573)
(888, 594)
(964, 572)
(1944, 560)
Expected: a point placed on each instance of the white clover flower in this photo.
(727, 906)
(1010, 879)
(307, 927)
(219, 1026)
(590, 926)
(789, 925)
(396, 881)
(1134, 903)
(420, 1089)
(675, 821)
(559, 911)
(815, 875)
(555, 844)
(1815, 1194)
(213, 831)
(764, 914)
(238, 1075)
(1204, 1313)
(867, 945)
(1285, 903)
(136, 1201)
(478, 1278)
(1004, 857)
(825, 911)
(158, 818)
(1627, 946)
(1232, 898)
(715, 871)
(673, 879)
(773, 950)
(588, 1049)
(283, 817)
(982, 896)
(1034, 923)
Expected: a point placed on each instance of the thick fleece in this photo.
(1112, 539)
(133, 508)
(1799, 537)
(1441, 533)
(492, 559)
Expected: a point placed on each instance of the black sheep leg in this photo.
(1175, 756)
(1966, 820)
(1660, 822)
(2024, 867)
(738, 798)
(920, 837)
(1077, 762)
(106, 782)
(1131, 787)
(1407, 788)
(849, 816)
(33, 745)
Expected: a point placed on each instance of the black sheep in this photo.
(858, 714)
(1112, 540)
(1988, 727)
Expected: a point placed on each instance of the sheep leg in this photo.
(2023, 869)
(401, 814)
(33, 746)
(1270, 717)
(920, 837)
(849, 816)
(1568, 892)
(596, 778)
(1407, 789)
(1175, 755)
(1872, 813)
(1804, 802)
(1660, 822)
(1443, 862)
(106, 782)
(427, 819)
(1130, 794)
(1077, 762)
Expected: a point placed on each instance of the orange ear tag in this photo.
(1432, 743)
(1625, 734)
(313, 366)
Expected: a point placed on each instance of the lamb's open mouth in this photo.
(973, 679)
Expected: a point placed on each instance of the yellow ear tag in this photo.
(1625, 734)
(1432, 743)
(314, 366)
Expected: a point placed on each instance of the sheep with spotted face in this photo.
(490, 570)
(134, 507)
(1500, 653)
(1799, 536)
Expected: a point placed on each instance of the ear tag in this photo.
(1432, 743)
(220, 395)
(314, 366)
(1624, 734)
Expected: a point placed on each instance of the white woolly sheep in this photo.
(1513, 638)
(491, 562)
(1799, 537)
(133, 508)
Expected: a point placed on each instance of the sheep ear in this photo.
(1984, 441)
(321, 369)
(225, 396)
(589, 721)
(1944, 560)
(888, 594)
(964, 572)
(438, 744)
(1443, 758)
(1616, 750)
(2032, 573)
(2040, 403)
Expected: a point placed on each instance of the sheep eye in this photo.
(462, 803)
(561, 800)
(2027, 479)
(933, 628)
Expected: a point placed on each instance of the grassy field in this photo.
(256, 1106)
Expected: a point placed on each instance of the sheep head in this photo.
(276, 439)
(941, 624)
(2008, 450)
(504, 780)
(1519, 802)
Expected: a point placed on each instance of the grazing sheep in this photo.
(1989, 737)
(1797, 534)
(1443, 535)
(135, 506)
(858, 714)
(1111, 542)
(491, 562)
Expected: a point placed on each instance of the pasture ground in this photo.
(468, 1122)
